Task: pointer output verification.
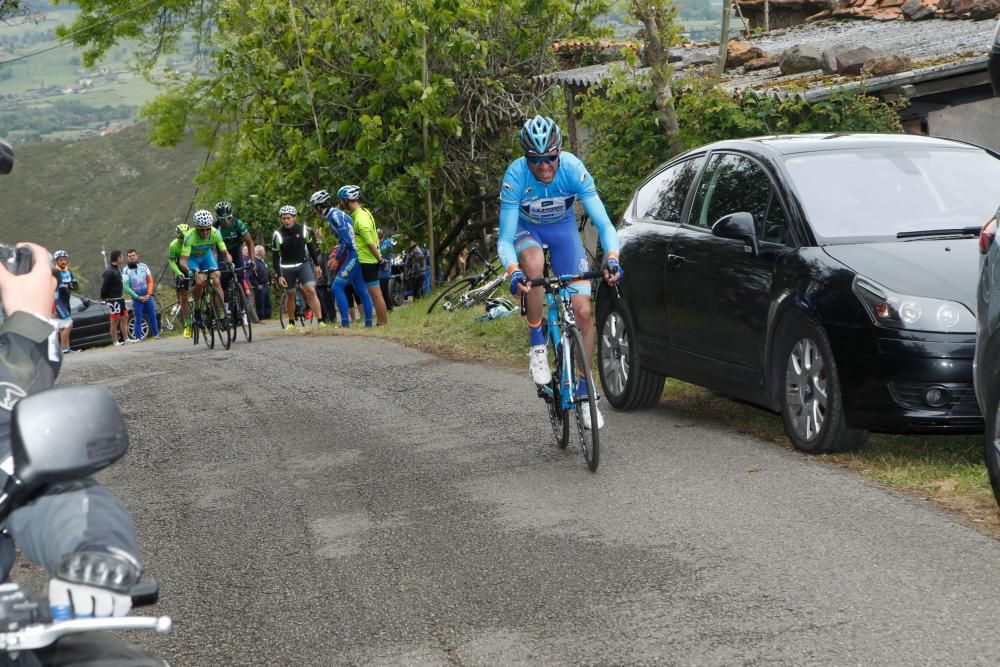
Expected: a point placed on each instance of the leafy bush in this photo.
(627, 143)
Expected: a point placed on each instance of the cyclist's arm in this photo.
(605, 230)
(107, 282)
(505, 239)
(128, 288)
(172, 262)
(276, 253)
(149, 282)
(221, 245)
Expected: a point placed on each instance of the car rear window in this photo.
(848, 195)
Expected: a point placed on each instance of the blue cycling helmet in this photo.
(540, 135)
(349, 192)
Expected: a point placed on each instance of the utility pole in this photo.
(727, 10)
(430, 208)
(767, 15)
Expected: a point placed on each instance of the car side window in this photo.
(663, 196)
(734, 183)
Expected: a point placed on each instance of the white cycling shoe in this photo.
(539, 364)
(585, 417)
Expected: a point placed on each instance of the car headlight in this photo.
(913, 313)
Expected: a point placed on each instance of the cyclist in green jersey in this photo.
(181, 281)
(197, 256)
(234, 234)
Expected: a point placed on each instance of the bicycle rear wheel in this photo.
(449, 296)
(590, 439)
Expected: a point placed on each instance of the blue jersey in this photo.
(525, 201)
(342, 226)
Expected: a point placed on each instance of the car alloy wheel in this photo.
(614, 354)
(805, 385)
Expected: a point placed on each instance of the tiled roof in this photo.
(937, 47)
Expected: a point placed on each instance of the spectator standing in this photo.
(112, 294)
(261, 281)
(415, 270)
(369, 256)
(138, 283)
(385, 246)
(66, 282)
(327, 309)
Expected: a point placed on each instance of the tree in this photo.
(659, 20)
(303, 95)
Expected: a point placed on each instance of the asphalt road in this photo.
(339, 500)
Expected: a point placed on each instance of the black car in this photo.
(830, 278)
(993, 64)
(92, 322)
(987, 365)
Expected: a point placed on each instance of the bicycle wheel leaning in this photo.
(451, 295)
(168, 316)
(579, 366)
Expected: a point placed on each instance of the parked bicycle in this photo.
(209, 321)
(469, 292)
(568, 356)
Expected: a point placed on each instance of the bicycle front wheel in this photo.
(221, 323)
(559, 416)
(241, 318)
(450, 296)
(590, 440)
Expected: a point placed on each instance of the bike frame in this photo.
(559, 306)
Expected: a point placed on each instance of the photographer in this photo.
(68, 521)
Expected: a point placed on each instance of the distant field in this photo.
(41, 82)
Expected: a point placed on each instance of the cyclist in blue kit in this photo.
(537, 196)
(344, 260)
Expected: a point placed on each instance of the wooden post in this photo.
(430, 207)
(767, 15)
(727, 10)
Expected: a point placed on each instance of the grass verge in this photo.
(948, 470)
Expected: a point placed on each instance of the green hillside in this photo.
(116, 191)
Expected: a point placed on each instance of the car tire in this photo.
(991, 442)
(625, 381)
(812, 407)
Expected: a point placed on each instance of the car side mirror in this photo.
(60, 435)
(739, 227)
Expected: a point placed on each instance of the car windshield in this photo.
(881, 192)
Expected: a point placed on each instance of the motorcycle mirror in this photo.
(6, 157)
(64, 434)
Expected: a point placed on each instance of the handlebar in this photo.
(30, 624)
(552, 282)
(40, 636)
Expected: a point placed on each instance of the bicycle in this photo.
(468, 292)
(236, 303)
(207, 321)
(567, 351)
(300, 308)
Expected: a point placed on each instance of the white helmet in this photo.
(60, 254)
(290, 210)
(203, 219)
(319, 197)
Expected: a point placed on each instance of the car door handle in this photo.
(674, 260)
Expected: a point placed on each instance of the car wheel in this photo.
(626, 383)
(812, 407)
(991, 442)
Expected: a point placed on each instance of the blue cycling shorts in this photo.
(566, 253)
(204, 263)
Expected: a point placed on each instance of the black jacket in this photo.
(111, 283)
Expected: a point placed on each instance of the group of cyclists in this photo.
(211, 250)
(537, 197)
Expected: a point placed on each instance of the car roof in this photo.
(809, 143)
